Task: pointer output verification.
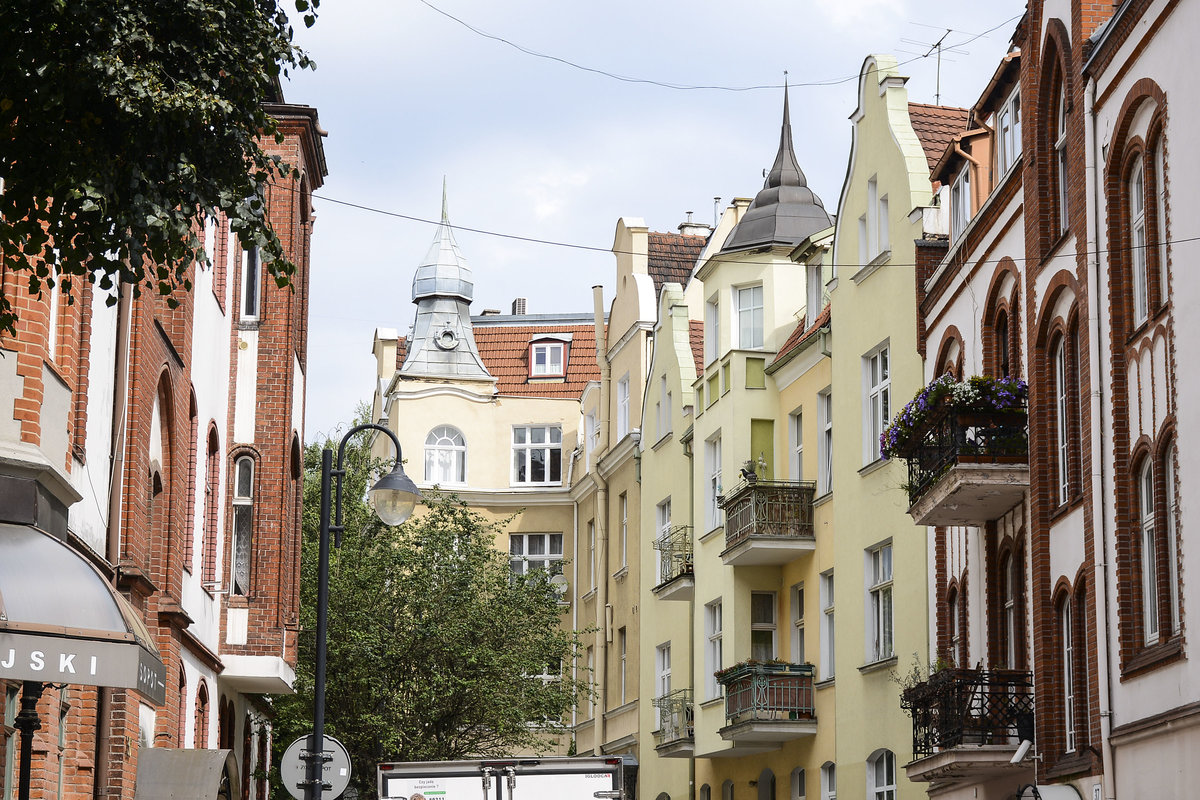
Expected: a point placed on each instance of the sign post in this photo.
(335, 762)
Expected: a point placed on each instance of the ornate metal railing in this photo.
(676, 548)
(956, 707)
(950, 438)
(756, 691)
(768, 508)
(674, 716)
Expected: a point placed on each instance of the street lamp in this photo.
(393, 497)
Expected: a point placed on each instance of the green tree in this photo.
(123, 122)
(435, 648)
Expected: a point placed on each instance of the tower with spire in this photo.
(785, 211)
(443, 340)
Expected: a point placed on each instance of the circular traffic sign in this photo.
(293, 768)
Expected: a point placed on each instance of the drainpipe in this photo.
(1100, 571)
(575, 602)
(603, 620)
(116, 481)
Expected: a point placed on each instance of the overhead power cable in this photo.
(680, 86)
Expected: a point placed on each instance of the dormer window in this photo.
(546, 360)
(960, 202)
(1008, 133)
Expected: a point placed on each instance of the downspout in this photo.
(113, 539)
(575, 599)
(603, 621)
(1100, 579)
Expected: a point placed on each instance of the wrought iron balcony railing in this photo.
(957, 707)
(676, 548)
(758, 691)
(768, 508)
(674, 716)
(950, 438)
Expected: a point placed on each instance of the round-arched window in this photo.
(445, 456)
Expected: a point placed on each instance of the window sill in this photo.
(1152, 657)
(875, 666)
(620, 574)
(1080, 762)
(877, 464)
(825, 683)
(823, 499)
(1060, 238)
(712, 533)
(666, 437)
(871, 266)
(710, 702)
(591, 595)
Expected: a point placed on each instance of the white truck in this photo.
(517, 778)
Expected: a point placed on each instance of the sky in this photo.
(544, 145)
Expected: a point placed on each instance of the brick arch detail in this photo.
(950, 336)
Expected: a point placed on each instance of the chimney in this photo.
(490, 312)
(690, 228)
(518, 306)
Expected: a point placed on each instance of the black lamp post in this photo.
(393, 497)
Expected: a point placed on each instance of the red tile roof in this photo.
(936, 126)
(800, 334)
(696, 339)
(671, 257)
(505, 352)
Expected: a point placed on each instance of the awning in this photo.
(62, 622)
(169, 774)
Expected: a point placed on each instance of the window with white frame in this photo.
(825, 445)
(1062, 419)
(814, 289)
(713, 648)
(623, 504)
(591, 545)
(798, 656)
(879, 591)
(1172, 534)
(1160, 205)
(251, 284)
(445, 456)
(662, 670)
(1068, 674)
(828, 781)
(1149, 554)
(662, 409)
(243, 523)
(960, 202)
(52, 318)
(952, 609)
(530, 551)
(872, 218)
(662, 521)
(881, 222)
(593, 433)
(623, 656)
(749, 301)
(1137, 243)
(881, 776)
(799, 791)
(210, 238)
(877, 405)
(1008, 133)
(622, 407)
(796, 446)
(864, 241)
(1011, 582)
(537, 455)
(712, 463)
(1060, 158)
(762, 626)
(827, 626)
(712, 329)
(546, 359)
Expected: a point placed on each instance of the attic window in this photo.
(547, 360)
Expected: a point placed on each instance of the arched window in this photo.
(189, 528)
(1160, 216)
(181, 711)
(952, 610)
(1149, 561)
(201, 735)
(1138, 255)
(799, 791)
(243, 523)
(1172, 530)
(1066, 634)
(706, 792)
(1011, 627)
(727, 790)
(766, 785)
(1003, 367)
(881, 776)
(212, 495)
(828, 781)
(445, 456)
(1062, 435)
(1060, 158)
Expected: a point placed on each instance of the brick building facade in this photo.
(162, 446)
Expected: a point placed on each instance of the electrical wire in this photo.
(681, 86)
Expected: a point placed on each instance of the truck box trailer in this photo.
(586, 778)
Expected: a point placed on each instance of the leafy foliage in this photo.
(123, 123)
(434, 647)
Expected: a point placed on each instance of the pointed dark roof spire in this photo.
(786, 211)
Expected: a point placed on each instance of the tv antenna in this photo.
(936, 47)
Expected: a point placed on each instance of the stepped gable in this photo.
(671, 257)
(936, 127)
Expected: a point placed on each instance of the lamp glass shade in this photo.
(394, 496)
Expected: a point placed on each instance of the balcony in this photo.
(967, 723)
(967, 468)
(674, 737)
(768, 522)
(767, 702)
(676, 579)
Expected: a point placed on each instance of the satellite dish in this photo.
(559, 584)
